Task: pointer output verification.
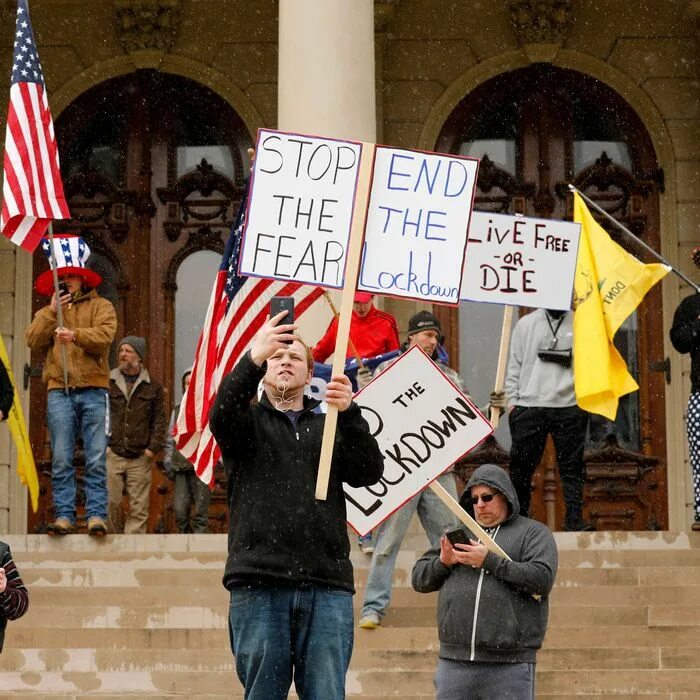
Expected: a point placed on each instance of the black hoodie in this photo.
(497, 613)
(278, 531)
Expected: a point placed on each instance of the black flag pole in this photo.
(646, 247)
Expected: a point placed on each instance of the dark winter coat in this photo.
(14, 601)
(278, 531)
(685, 335)
(490, 614)
(7, 393)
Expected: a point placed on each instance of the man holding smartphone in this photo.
(89, 326)
(492, 612)
(288, 569)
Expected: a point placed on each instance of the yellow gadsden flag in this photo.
(608, 286)
(26, 469)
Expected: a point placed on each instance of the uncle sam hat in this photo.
(71, 254)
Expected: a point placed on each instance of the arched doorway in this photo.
(153, 167)
(537, 129)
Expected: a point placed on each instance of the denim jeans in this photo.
(280, 632)
(435, 518)
(85, 411)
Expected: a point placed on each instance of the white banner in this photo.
(417, 223)
(520, 261)
(423, 424)
(300, 208)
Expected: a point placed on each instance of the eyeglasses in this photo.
(486, 498)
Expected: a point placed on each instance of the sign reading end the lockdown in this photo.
(423, 424)
(300, 208)
(417, 223)
(520, 261)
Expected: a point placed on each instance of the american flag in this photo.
(237, 309)
(32, 189)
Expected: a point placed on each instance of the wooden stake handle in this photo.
(352, 268)
(502, 360)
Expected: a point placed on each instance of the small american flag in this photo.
(237, 309)
(32, 190)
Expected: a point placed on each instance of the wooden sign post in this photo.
(343, 335)
(502, 360)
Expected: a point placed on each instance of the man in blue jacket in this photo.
(288, 567)
(492, 613)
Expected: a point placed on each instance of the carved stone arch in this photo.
(182, 66)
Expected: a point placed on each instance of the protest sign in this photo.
(417, 224)
(300, 208)
(520, 261)
(423, 424)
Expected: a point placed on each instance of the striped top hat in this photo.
(71, 254)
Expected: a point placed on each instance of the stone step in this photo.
(621, 682)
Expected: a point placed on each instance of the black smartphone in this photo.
(457, 536)
(280, 304)
(62, 288)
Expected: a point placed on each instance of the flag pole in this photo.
(59, 310)
(646, 247)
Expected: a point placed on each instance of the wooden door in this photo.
(536, 130)
(153, 168)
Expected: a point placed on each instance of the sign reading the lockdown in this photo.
(423, 424)
(417, 223)
(300, 208)
(520, 261)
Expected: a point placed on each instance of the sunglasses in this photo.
(486, 498)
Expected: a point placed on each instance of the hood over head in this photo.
(496, 478)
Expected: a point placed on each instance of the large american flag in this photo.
(32, 188)
(237, 309)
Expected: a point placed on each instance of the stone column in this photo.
(326, 86)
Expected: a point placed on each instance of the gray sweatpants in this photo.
(468, 680)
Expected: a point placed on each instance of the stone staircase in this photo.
(146, 617)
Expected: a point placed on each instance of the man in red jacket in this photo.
(372, 332)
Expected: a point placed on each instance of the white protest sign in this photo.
(417, 223)
(520, 261)
(423, 424)
(300, 208)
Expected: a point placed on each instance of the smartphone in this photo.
(280, 304)
(457, 536)
(62, 288)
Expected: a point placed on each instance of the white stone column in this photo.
(326, 87)
(326, 68)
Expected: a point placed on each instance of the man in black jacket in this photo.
(288, 567)
(7, 394)
(492, 613)
(685, 336)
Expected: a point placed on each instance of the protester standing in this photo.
(542, 401)
(191, 496)
(138, 434)
(288, 569)
(492, 613)
(14, 597)
(79, 406)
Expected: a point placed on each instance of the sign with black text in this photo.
(423, 424)
(520, 261)
(417, 223)
(300, 208)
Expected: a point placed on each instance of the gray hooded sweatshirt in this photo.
(497, 613)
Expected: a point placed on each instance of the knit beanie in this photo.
(423, 321)
(136, 342)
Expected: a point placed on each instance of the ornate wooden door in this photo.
(536, 130)
(153, 168)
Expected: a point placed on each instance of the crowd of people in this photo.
(290, 576)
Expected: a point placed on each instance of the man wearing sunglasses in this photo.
(492, 613)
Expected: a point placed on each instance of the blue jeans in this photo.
(85, 411)
(435, 518)
(278, 632)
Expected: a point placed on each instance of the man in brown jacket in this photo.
(138, 433)
(89, 326)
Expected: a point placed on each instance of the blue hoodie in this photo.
(497, 613)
